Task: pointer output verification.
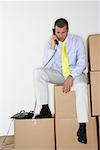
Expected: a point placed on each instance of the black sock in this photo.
(46, 105)
(82, 125)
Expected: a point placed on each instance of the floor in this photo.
(6, 143)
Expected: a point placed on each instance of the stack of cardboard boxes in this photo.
(94, 58)
(94, 67)
(57, 133)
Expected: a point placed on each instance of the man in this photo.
(64, 63)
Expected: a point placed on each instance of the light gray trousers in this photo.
(43, 76)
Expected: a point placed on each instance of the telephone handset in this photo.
(54, 34)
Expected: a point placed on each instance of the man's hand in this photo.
(53, 43)
(67, 84)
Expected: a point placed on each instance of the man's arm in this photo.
(81, 61)
(49, 51)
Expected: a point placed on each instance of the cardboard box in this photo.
(66, 138)
(95, 92)
(94, 52)
(37, 134)
(65, 103)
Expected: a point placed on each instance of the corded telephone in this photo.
(23, 115)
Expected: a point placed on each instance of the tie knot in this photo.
(63, 43)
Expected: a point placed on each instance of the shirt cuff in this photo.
(73, 75)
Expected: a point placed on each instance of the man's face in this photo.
(61, 33)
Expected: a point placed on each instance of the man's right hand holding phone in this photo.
(53, 41)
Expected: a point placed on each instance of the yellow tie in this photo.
(65, 63)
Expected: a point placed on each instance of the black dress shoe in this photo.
(44, 113)
(81, 133)
(82, 140)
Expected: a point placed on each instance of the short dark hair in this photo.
(61, 22)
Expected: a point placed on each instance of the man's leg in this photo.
(42, 76)
(80, 87)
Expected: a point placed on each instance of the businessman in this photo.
(64, 62)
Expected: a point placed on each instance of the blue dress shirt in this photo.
(76, 55)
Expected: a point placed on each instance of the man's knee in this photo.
(81, 79)
(80, 82)
(40, 73)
